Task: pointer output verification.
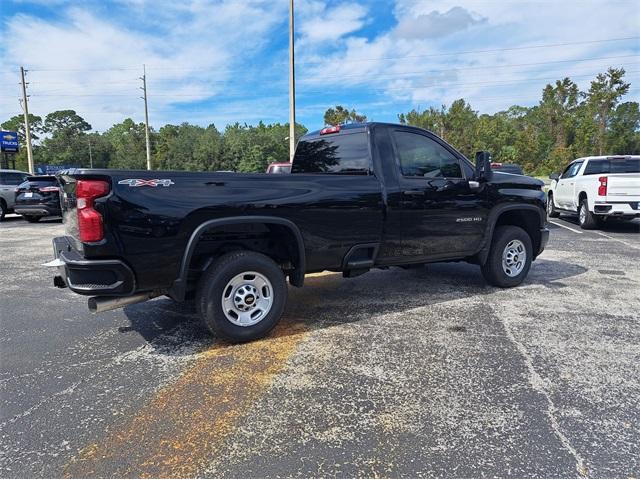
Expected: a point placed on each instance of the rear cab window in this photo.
(612, 165)
(343, 153)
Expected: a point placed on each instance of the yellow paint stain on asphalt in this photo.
(178, 433)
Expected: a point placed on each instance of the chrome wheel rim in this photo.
(582, 215)
(549, 205)
(514, 258)
(247, 298)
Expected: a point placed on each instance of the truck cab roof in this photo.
(355, 127)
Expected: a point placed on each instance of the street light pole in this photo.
(292, 89)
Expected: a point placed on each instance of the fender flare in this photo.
(178, 289)
(492, 219)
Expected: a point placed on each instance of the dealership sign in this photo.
(9, 141)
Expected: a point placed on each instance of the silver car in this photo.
(9, 180)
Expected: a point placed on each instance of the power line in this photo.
(482, 67)
(495, 50)
(368, 75)
(333, 87)
(341, 60)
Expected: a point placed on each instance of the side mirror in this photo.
(483, 166)
(554, 176)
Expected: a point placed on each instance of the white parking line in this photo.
(617, 239)
(565, 226)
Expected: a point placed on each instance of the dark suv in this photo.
(37, 197)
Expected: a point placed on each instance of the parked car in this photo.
(279, 168)
(507, 168)
(9, 179)
(37, 197)
(597, 188)
(359, 196)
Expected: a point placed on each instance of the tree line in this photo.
(565, 124)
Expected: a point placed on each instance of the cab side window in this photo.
(421, 156)
(13, 179)
(572, 170)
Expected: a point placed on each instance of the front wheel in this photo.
(241, 296)
(510, 257)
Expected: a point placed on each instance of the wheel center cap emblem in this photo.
(249, 300)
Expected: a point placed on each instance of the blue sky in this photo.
(216, 61)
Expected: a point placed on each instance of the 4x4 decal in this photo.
(139, 182)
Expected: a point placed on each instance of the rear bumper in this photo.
(544, 239)
(617, 208)
(105, 277)
(36, 210)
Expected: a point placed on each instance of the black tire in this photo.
(551, 208)
(3, 209)
(215, 280)
(493, 270)
(588, 221)
(32, 219)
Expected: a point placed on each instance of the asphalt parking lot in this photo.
(399, 373)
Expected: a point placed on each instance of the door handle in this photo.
(413, 192)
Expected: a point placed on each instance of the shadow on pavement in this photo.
(174, 328)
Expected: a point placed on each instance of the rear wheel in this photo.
(510, 257)
(32, 219)
(586, 218)
(551, 208)
(3, 209)
(241, 296)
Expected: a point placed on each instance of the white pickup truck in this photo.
(597, 188)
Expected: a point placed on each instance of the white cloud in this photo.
(321, 22)
(92, 63)
(418, 58)
(435, 24)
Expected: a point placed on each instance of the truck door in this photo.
(442, 215)
(566, 186)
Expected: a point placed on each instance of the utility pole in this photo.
(146, 115)
(27, 130)
(90, 156)
(292, 89)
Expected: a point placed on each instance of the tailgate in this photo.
(623, 187)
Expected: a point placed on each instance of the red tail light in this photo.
(602, 189)
(89, 220)
(48, 189)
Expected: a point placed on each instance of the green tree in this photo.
(459, 125)
(340, 115)
(603, 96)
(66, 142)
(557, 106)
(16, 123)
(431, 119)
(624, 135)
(127, 145)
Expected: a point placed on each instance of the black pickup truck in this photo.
(359, 196)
